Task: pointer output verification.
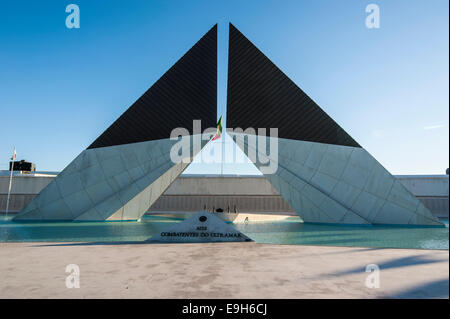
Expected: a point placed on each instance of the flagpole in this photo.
(223, 155)
(10, 182)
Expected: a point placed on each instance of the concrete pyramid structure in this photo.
(121, 174)
(322, 172)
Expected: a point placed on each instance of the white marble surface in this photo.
(202, 227)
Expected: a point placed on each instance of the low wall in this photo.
(23, 189)
(233, 193)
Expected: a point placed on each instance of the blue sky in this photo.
(387, 87)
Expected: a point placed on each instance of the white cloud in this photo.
(433, 127)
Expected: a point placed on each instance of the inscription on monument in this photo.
(202, 227)
(205, 234)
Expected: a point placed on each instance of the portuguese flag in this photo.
(219, 129)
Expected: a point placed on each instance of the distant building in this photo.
(231, 193)
(22, 166)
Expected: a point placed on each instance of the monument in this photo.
(322, 172)
(199, 228)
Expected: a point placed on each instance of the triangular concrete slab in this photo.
(319, 169)
(129, 165)
(186, 92)
(260, 95)
(202, 227)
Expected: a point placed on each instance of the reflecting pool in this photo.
(290, 231)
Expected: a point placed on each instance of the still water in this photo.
(291, 231)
